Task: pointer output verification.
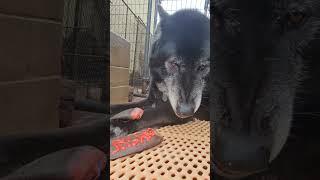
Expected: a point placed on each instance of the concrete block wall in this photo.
(30, 56)
(119, 69)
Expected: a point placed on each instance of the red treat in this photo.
(134, 143)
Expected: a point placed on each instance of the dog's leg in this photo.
(117, 108)
(152, 117)
(17, 150)
(123, 118)
(93, 106)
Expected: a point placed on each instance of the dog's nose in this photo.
(185, 110)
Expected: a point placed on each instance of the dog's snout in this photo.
(185, 110)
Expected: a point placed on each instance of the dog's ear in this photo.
(162, 13)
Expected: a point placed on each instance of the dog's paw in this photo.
(136, 113)
(120, 123)
(128, 115)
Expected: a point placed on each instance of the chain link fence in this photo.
(85, 48)
(128, 19)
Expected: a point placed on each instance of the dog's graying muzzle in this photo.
(184, 110)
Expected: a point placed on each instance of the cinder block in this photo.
(49, 9)
(29, 106)
(119, 76)
(29, 48)
(119, 51)
(119, 94)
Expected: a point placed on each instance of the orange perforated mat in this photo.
(184, 153)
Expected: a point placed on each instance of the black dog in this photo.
(179, 66)
(262, 87)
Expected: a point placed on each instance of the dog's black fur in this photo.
(265, 97)
(179, 67)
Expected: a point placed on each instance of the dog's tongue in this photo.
(134, 143)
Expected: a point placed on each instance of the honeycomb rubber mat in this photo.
(184, 153)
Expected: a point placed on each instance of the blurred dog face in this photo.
(179, 61)
(257, 66)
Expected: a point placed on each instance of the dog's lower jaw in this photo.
(182, 117)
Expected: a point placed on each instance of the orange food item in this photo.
(134, 143)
